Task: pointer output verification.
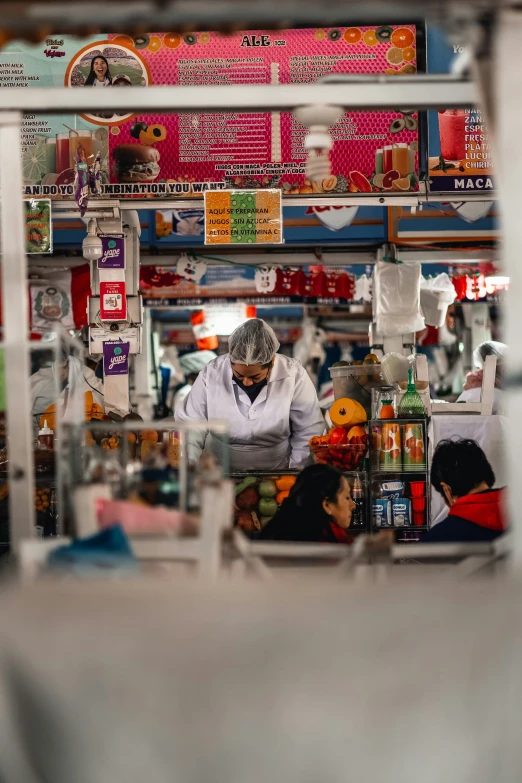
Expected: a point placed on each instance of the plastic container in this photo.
(357, 383)
(418, 518)
(417, 489)
(348, 456)
(418, 504)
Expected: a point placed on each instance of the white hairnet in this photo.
(254, 342)
(195, 361)
(489, 348)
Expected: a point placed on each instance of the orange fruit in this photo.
(409, 69)
(124, 40)
(149, 435)
(370, 39)
(402, 37)
(352, 35)
(319, 35)
(171, 40)
(401, 184)
(282, 496)
(155, 44)
(394, 56)
(409, 54)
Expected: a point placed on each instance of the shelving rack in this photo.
(491, 28)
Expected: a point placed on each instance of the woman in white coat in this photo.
(268, 400)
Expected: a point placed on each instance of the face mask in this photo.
(251, 391)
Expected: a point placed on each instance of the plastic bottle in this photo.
(46, 437)
(358, 498)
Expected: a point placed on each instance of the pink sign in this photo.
(187, 154)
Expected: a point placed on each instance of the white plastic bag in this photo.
(397, 298)
(437, 293)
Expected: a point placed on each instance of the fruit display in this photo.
(346, 444)
(258, 499)
(42, 499)
(347, 413)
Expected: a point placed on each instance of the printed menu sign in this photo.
(189, 154)
(38, 226)
(243, 217)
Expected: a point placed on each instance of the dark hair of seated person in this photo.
(302, 516)
(462, 466)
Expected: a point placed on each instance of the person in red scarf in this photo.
(318, 509)
(461, 473)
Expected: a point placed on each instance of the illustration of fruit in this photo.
(409, 54)
(397, 125)
(306, 189)
(153, 134)
(155, 44)
(66, 177)
(389, 179)
(319, 35)
(352, 35)
(378, 180)
(329, 183)
(317, 187)
(141, 41)
(394, 56)
(33, 162)
(370, 39)
(334, 35)
(204, 38)
(401, 184)
(411, 123)
(138, 128)
(408, 69)
(360, 182)
(124, 40)
(384, 33)
(402, 37)
(391, 72)
(190, 39)
(394, 454)
(352, 188)
(172, 40)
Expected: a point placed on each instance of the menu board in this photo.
(460, 150)
(188, 154)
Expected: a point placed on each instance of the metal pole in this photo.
(16, 320)
(507, 74)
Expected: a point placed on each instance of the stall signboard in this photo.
(243, 217)
(193, 283)
(38, 226)
(187, 154)
(460, 151)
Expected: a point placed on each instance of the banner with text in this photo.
(243, 217)
(460, 157)
(188, 154)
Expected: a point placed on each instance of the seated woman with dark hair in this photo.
(318, 509)
(461, 473)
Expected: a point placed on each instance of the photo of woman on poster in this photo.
(99, 75)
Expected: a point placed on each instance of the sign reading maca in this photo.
(243, 217)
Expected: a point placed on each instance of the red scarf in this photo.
(340, 534)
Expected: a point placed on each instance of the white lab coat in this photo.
(272, 433)
(179, 397)
(44, 386)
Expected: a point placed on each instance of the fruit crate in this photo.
(412, 473)
(246, 520)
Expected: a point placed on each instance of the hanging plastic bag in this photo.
(437, 293)
(397, 298)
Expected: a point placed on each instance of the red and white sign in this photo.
(113, 302)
